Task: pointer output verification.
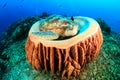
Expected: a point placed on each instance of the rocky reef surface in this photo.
(14, 66)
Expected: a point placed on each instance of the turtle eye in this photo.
(71, 28)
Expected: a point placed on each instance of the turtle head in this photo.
(71, 30)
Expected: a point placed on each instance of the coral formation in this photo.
(104, 26)
(16, 30)
(105, 67)
(67, 56)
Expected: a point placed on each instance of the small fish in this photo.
(4, 5)
(72, 18)
(17, 7)
(21, 6)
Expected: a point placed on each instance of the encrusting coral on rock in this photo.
(81, 42)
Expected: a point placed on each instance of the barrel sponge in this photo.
(67, 56)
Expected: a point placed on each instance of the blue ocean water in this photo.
(108, 10)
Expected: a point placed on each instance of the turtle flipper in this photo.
(47, 35)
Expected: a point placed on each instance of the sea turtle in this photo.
(57, 26)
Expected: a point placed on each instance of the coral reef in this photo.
(105, 67)
(104, 26)
(2, 68)
(16, 30)
(15, 33)
(66, 56)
